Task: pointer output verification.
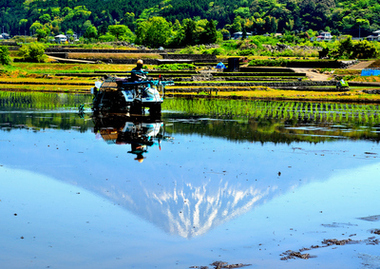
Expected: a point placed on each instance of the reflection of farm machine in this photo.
(123, 95)
(140, 131)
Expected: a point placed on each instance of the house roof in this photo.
(59, 36)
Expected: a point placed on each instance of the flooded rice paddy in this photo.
(248, 183)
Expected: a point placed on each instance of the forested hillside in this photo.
(258, 16)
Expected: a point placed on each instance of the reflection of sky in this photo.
(193, 184)
(195, 187)
(65, 226)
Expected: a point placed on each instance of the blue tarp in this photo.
(370, 72)
(220, 66)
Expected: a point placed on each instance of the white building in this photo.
(5, 36)
(60, 39)
(375, 36)
(324, 36)
(239, 35)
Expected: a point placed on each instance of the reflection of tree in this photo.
(279, 122)
(41, 121)
(271, 130)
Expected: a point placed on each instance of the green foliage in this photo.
(275, 62)
(247, 52)
(154, 32)
(189, 34)
(189, 50)
(45, 18)
(209, 35)
(364, 50)
(34, 52)
(258, 16)
(35, 26)
(349, 49)
(214, 51)
(176, 67)
(91, 32)
(5, 58)
(121, 32)
(107, 38)
(42, 33)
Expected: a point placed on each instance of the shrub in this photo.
(364, 50)
(276, 62)
(107, 38)
(350, 49)
(246, 52)
(176, 67)
(5, 58)
(189, 50)
(34, 52)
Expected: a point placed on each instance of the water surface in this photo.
(185, 189)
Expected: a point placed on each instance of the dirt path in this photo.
(315, 76)
(64, 60)
(361, 65)
(312, 75)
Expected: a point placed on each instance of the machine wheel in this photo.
(155, 109)
(136, 109)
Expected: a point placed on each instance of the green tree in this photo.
(55, 11)
(364, 50)
(5, 58)
(35, 26)
(42, 33)
(129, 20)
(344, 49)
(289, 25)
(189, 34)
(121, 32)
(242, 12)
(225, 33)
(349, 49)
(34, 52)
(154, 32)
(236, 25)
(55, 29)
(86, 24)
(70, 34)
(45, 18)
(107, 37)
(23, 25)
(209, 35)
(273, 25)
(91, 32)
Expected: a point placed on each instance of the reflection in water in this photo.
(141, 132)
(188, 204)
(194, 207)
(216, 173)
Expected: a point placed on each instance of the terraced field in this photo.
(270, 83)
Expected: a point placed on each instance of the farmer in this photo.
(137, 72)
